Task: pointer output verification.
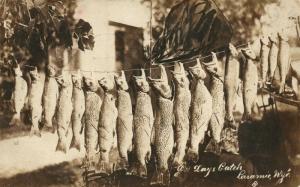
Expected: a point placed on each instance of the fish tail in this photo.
(16, 120)
(104, 168)
(75, 143)
(122, 164)
(161, 177)
(62, 145)
(35, 131)
(139, 170)
(192, 155)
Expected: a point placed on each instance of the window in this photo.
(120, 46)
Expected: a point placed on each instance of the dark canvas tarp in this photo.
(192, 27)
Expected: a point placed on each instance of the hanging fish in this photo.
(201, 111)
(182, 102)
(50, 97)
(64, 109)
(19, 96)
(231, 83)
(142, 125)
(283, 59)
(250, 82)
(264, 57)
(164, 135)
(273, 53)
(78, 101)
(93, 104)
(218, 103)
(35, 100)
(124, 120)
(107, 124)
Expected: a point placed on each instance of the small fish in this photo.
(142, 124)
(35, 100)
(50, 97)
(250, 82)
(218, 102)
(164, 135)
(201, 111)
(231, 83)
(273, 53)
(19, 96)
(124, 120)
(264, 57)
(107, 124)
(93, 104)
(182, 102)
(283, 59)
(64, 109)
(78, 101)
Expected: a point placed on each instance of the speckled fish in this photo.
(35, 100)
(78, 101)
(231, 83)
(182, 102)
(201, 111)
(64, 109)
(93, 104)
(273, 54)
(164, 135)
(19, 96)
(142, 124)
(283, 59)
(50, 97)
(250, 81)
(264, 57)
(218, 102)
(107, 124)
(124, 120)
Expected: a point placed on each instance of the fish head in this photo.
(51, 71)
(121, 82)
(249, 53)
(282, 36)
(264, 40)
(34, 75)
(273, 38)
(90, 83)
(77, 81)
(197, 71)
(180, 75)
(17, 71)
(162, 87)
(141, 82)
(214, 67)
(232, 49)
(106, 83)
(64, 80)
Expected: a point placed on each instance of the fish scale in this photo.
(50, 100)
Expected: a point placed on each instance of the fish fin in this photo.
(192, 156)
(61, 146)
(16, 120)
(35, 132)
(103, 168)
(75, 143)
(161, 177)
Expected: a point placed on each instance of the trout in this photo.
(164, 135)
(35, 100)
(107, 124)
(50, 97)
(124, 120)
(218, 103)
(273, 53)
(231, 83)
(142, 126)
(283, 59)
(250, 82)
(93, 104)
(78, 101)
(201, 111)
(264, 55)
(64, 109)
(182, 102)
(19, 96)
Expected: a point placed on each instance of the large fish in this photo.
(182, 103)
(35, 100)
(50, 97)
(93, 104)
(164, 135)
(250, 82)
(218, 102)
(273, 53)
(201, 111)
(264, 57)
(283, 59)
(19, 96)
(124, 120)
(231, 83)
(64, 109)
(78, 101)
(142, 124)
(107, 123)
